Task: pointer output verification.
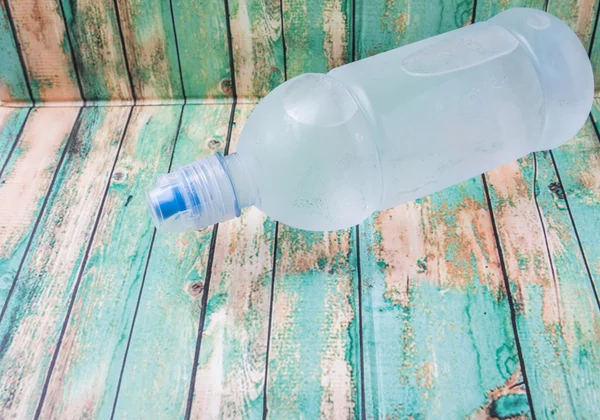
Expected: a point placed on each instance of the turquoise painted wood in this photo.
(86, 375)
(258, 51)
(382, 25)
(578, 165)
(557, 316)
(314, 355)
(148, 32)
(580, 15)
(487, 8)
(201, 29)
(158, 368)
(230, 377)
(438, 340)
(13, 87)
(42, 37)
(317, 35)
(27, 179)
(34, 313)
(98, 50)
(12, 121)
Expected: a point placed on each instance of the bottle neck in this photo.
(244, 186)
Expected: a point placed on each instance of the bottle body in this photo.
(323, 152)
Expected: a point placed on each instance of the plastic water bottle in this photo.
(324, 151)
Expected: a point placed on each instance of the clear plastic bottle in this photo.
(323, 152)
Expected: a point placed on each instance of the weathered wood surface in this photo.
(487, 8)
(201, 29)
(438, 339)
(42, 36)
(149, 36)
(33, 315)
(12, 121)
(13, 86)
(86, 375)
(230, 377)
(557, 317)
(98, 51)
(317, 35)
(25, 182)
(160, 358)
(382, 25)
(258, 50)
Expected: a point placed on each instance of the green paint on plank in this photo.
(163, 339)
(314, 358)
(317, 35)
(489, 8)
(13, 87)
(437, 342)
(36, 311)
(98, 50)
(150, 45)
(580, 15)
(578, 164)
(510, 406)
(84, 381)
(257, 46)
(385, 24)
(26, 180)
(203, 48)
(557, 317)
(11, 122)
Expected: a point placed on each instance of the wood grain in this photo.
(85, 377)
(98, 50)
(580, 15)
(233, 354)
(557, 317)
(13, 87)
(151, 50)
(489, 8)
(201, 29)
(34, 314)
(314, 357)
(11, 123)
(317, 35)
(257, 47)
(161, 353)
(382, 25)
(41, 34)
(578, 165)
(438, 340)
(26, 181)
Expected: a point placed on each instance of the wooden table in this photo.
(479, 301)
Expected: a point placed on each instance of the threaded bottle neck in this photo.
(208, 191)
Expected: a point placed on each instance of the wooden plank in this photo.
(158, 368)
(231, 371)
(35, 311)
(13, 86)
(578, 165)
(557, 316)
(438, 339)
(201, 29)
(25, 182)
(489, 8)
(580, 15)
(257, 47)
(317, 35)
(98, 50)
(86, 374)
(41, 34)
(151, 50)
(11, 123)
(382, 25)
(314, 357)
